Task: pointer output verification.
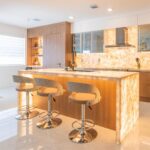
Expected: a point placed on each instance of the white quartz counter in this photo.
(92, 74)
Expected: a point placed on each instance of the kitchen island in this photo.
(119, 106)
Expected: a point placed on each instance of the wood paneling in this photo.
(57, 47)
(29, 52)
(103, 113)
(47, 29)
(145, 86)
(68, 44)
(55, 51)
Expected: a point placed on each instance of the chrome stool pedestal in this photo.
(83, 134)
(50, 121)
(77, 137)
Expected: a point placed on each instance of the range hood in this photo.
(121, 38)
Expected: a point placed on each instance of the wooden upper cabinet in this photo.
(57, 44)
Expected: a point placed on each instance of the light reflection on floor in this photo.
(7, 127)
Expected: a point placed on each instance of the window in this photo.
(12, 50)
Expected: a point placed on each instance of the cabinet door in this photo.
(97, 41)
(144, 37)
(145, 85)
(77, 42)
(86, 42)
(54, 52)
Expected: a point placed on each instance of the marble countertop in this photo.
(93, 74)
(120, 69)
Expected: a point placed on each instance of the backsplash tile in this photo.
(122, 59)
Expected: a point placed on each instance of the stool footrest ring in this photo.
(24, 108)
(89, 124)
(44, 115)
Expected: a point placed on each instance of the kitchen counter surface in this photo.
(81, 73)
(119, 69)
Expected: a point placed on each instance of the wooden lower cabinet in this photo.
(145, 86)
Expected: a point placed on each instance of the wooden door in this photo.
(54, 51)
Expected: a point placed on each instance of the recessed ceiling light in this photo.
(36, 19)
(94, 6)
(109, 9)
(71, 17)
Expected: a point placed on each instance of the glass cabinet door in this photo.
(97, 41)
(77, 44)
(144, 37)
(86, 40)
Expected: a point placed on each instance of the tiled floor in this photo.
(23, 135)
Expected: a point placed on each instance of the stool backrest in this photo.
(40, 82)
(22, 79)
(84, 88)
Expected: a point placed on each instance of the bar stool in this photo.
(25, 84)
(84, 95)
(50, 89)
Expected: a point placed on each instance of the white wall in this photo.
(6, 72)
(111, 22)
(12, 30)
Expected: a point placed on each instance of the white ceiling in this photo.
(21, 12)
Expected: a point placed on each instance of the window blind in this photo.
(12, 50)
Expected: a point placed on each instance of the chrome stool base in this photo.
(53, 123)
(25, 116)
(77, 137)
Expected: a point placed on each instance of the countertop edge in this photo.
(72, 74)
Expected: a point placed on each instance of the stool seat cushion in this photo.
(25, 87)
(42, 91)
(82, 98)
